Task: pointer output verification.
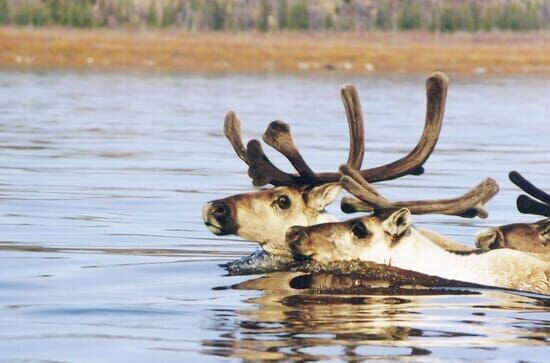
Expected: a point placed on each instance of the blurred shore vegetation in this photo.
(274, 15)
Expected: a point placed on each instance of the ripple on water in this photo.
(103, 254)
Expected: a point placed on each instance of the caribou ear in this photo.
(321, 196)
(489, 239)
(398, 223)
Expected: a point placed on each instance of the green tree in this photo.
(447, 20)
(215, 12)
(263, 21)
(475, 13)
(282, 14)
(4, 12)
(328, 22)
(383, 18)
(298, 18)
(152, 16)
(487, 21)
(57, 10)
(79, 14)
(469, 21)
(410, 16)
(532, 15)
(32, 14)
(169, 15)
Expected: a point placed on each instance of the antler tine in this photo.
(358, 178)
(232, 131)
(369, 198)
(353, 205)
(436, 93)
(262, 171)
(468, 205)
(350, 98)
(528, 205)
(279, 137)
(528, 187)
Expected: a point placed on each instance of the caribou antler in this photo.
(526, 204)
(436, 94)
(278, 135)
(468, 205)
(232, 131)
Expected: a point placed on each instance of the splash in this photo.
(259, 262)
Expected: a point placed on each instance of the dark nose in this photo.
(295, 234)
(219, 210)
(296, 237)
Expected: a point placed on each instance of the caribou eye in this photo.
(359, 229)
(283, 202)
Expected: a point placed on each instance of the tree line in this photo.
(274, 15)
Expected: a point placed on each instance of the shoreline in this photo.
(173, 50)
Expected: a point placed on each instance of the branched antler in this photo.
(468, 205)
(278, 135)
(436, 94)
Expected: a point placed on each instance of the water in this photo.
(104, 256)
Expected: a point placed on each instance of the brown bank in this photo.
(173, 50)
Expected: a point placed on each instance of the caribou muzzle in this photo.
(218, 216)
(299, 242)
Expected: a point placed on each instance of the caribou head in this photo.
(387, 236)
(377, 236)
(529, 237)
(300, 198)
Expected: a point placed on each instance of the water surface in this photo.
(104, 256)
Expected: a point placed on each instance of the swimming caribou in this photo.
(300, 199)
(529, 237)
(387, 236)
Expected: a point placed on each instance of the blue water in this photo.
(104, 256)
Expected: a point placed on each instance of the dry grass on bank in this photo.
(171, 50)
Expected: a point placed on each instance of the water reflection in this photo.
(317, 316)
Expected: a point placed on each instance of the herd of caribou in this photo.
(289, 219)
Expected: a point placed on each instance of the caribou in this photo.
(387, 236)
(531, 237)
(301, 198)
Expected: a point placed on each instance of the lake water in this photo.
(104, 256)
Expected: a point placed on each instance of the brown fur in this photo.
(528, 237)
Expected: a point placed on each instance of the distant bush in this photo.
(383, 19)
(31, 14)
(215, 11)
(410, 16)
(78, 14)
(4, 12)
(152, 16)
(263, 21)
(282, 14)
(298, 17)
(328, 22)
(452, 19)
(169, 16)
